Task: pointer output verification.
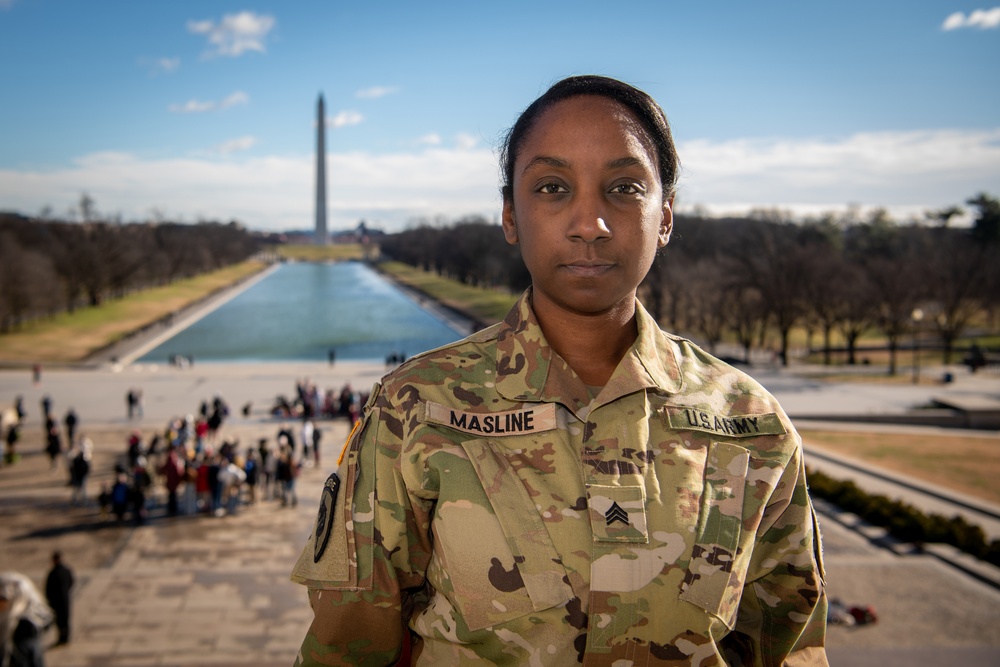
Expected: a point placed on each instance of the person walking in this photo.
(71, 421)
(53, 446)
(308, 431)
(251, 467)
(79, 471)
(121, 495)
(317, 436)
(173, 474)
(58, 586)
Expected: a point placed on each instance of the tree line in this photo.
(51, 266)
(748, 279)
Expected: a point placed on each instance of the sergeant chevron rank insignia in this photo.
(324, 518)
(616, 513)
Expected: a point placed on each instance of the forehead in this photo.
(584, 123)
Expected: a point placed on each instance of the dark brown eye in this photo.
(551, 188)
(627, 189)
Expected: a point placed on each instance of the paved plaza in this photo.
(203, 590)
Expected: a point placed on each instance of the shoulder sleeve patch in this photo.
(732, 426)
(533, 418)
(332, 553)
(324, 518)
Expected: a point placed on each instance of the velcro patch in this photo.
(732, 426)
(533, 419)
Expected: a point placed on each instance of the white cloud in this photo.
(239, 97)
(157, 66)
(235, 145)
(375, 92)
(199, 106)
(345, 118)
(905, 172)
(192, 106)
(431, 139)
(168, 64)
(268, 192)
(898, 170)
(465, 142)
(983, 19)
(235, 34)
(956, 20)
(200, 27)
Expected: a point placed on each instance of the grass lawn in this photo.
(487, 305)
(970, 465)
(334, 252)
(71, 337)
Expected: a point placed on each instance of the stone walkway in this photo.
(200, 590)
(188, 590)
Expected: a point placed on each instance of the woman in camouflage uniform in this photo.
(571, 485)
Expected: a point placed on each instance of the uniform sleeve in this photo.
(782, 614)
(362, 578)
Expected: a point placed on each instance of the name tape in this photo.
(536, 419)
(733, 426)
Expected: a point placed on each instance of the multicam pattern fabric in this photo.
(493, 511)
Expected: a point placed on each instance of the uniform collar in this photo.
(528, 369)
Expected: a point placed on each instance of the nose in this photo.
(588, 222)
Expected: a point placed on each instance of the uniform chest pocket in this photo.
(618, 513)
(713, 582)
(518, 569)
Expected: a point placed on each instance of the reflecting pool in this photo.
(302, 311)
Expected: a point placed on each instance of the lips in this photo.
(586, 268)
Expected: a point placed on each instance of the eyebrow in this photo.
(559, 163)
(625, 162)
(546, 160)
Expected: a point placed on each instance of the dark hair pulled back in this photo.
(644, 107)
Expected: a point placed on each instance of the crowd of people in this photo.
(190, 467)
(312, 403)
(194, 465)
(77, 453)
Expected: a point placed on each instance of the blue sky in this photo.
(206, 110)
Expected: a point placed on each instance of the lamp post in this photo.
(917, 315)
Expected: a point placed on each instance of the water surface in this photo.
(302, 311)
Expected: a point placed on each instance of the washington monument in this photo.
(321, 236)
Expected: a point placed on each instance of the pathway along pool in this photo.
(304, 310)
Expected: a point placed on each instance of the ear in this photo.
(667, 223)
(508, 223)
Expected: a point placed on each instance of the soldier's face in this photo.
(587, 208)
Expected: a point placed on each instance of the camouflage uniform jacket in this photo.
(508, 517)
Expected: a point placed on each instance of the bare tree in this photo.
(711, 297)
(25, 277)
(955, 269)
(824, 292)
(748, 317)
(775, 264)
(897, 293)
(88, 210)
(857, 311)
